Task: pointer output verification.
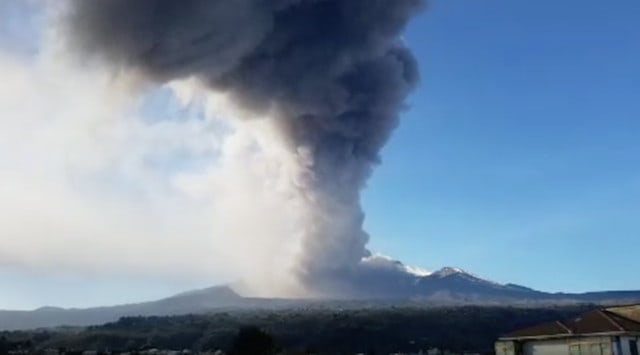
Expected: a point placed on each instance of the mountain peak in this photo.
(219, 291)
(448, 271)
(49, 309)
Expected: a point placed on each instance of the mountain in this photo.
(189, 302)
(448, 286)
(458, 286)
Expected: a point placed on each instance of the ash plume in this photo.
(331, 75)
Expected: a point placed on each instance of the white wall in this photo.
(548, 347)
(555, 347)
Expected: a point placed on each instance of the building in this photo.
(602, 332)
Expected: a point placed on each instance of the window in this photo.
(633, 345)
(574, 349)
(506, 348)
(593, 347)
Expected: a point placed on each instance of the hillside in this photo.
(449, 286)
(315, 331)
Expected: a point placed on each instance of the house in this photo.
(613, 331)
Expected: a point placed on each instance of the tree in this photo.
(253, 341)
(4, 346)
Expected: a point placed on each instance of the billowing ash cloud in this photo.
(332, 75)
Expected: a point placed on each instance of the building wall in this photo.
(582, 346)
(506, 348)
(624, 345)
(593, 346)
(545, 347)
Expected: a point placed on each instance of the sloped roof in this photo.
(541, 330)
(632, 312)
(628, 324)
(595, 322)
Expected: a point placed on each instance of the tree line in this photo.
(330, 331)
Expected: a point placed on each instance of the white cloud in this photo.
(89, 187)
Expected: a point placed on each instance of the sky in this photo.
(517, 159)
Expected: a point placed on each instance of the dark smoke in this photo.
(333, 74)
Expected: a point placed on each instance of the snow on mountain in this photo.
(417, 271)
(454, 271)
(448, 271)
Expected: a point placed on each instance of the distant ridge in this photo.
(447, 286)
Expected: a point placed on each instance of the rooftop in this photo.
(596, 322)
(632, 312)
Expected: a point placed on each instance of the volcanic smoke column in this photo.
(331, 74)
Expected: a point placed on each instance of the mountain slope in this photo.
(190, 302)
(448, 286)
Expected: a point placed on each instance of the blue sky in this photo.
(518, 159)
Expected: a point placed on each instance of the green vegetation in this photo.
(371, 331)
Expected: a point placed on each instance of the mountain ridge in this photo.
(447, 286)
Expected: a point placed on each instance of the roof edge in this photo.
(572, 335)
(611, 320)
(564, 326)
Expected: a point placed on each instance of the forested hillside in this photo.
(373, 331)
